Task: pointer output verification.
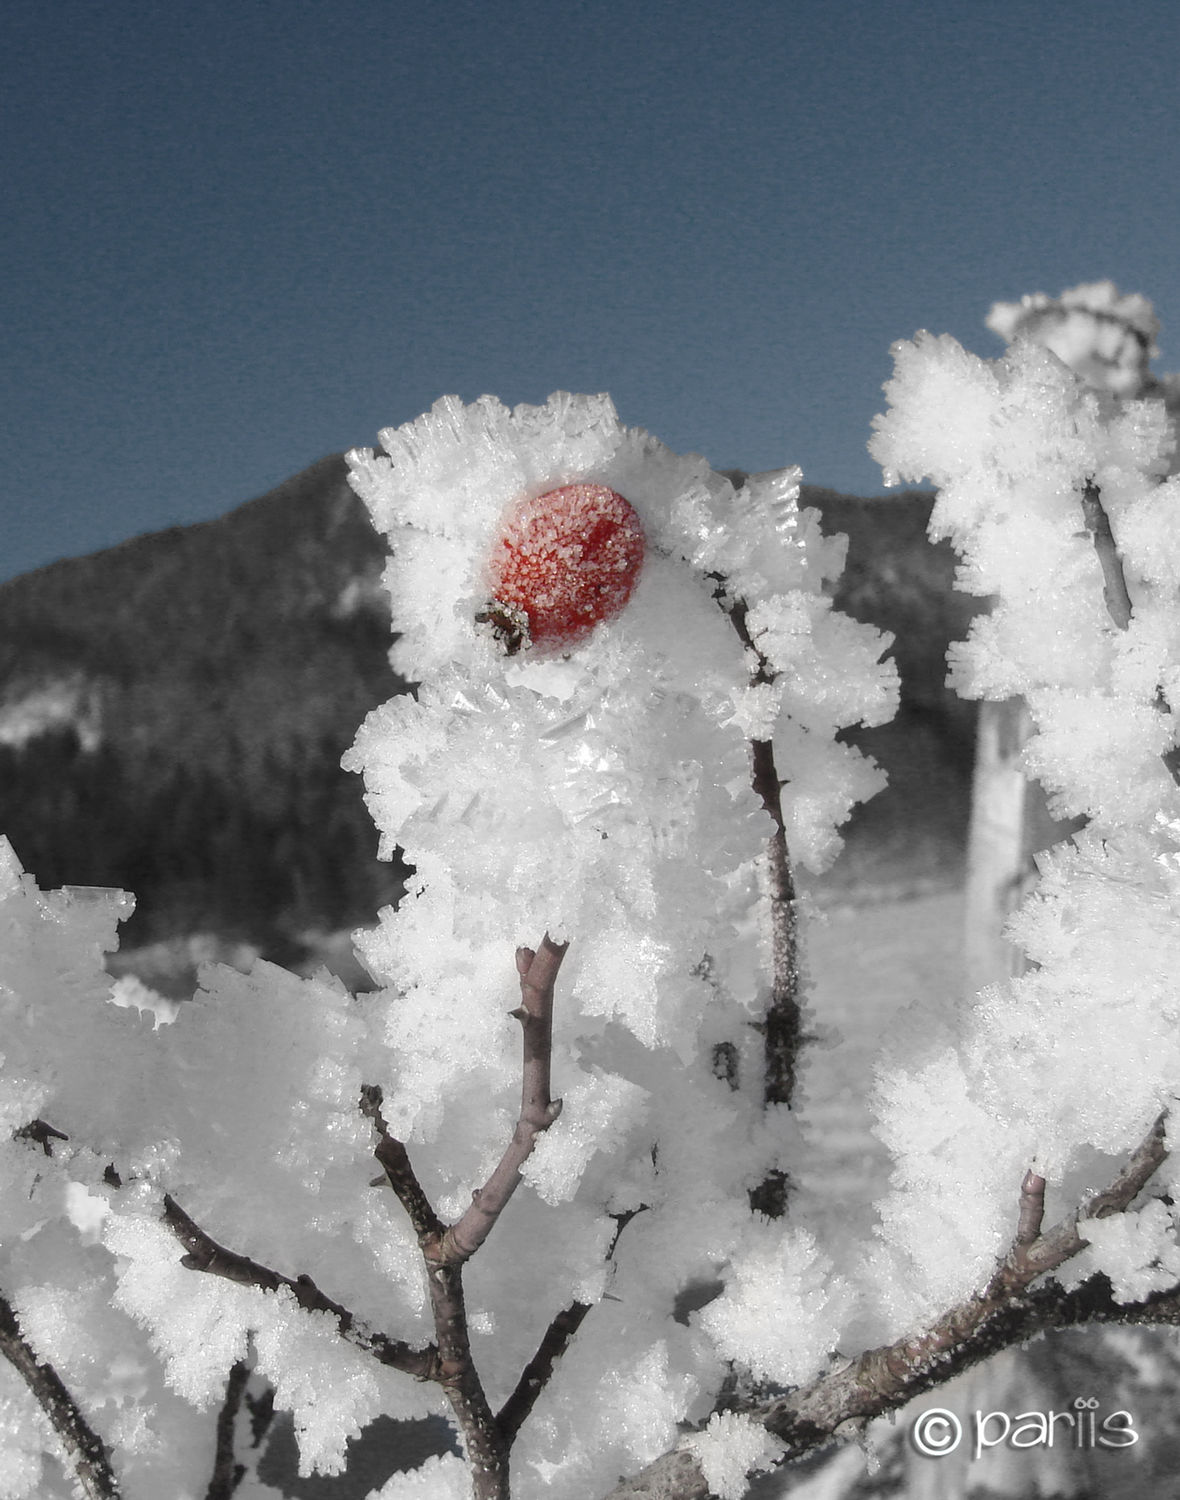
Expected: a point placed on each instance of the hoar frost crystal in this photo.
(584, 778)
(601, 794)
(587, 783)
(1056, 497)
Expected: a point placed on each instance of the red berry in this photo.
(567, 560)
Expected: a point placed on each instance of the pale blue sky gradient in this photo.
(242, 235)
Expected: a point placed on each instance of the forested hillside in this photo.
(173, 712)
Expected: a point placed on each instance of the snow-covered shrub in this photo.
(630, 686)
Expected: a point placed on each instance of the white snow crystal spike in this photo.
(563, 731)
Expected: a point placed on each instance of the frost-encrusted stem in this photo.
(538, 973)
(446, 1249)
(783, 1034)
(1114, 581)
(85, 1451)
(1114, 588)
(784, 1019)
(1005, 1312)
(205, 1254)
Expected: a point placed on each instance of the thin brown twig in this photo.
(554, 1342)
(227, 1473)
(538, 973)
(399, 1172)
(205, 1254)
(536, 1374)
(881, 1380)
(446, 1249)
(487, 1447)
(85, 1450)
(1032, 1208)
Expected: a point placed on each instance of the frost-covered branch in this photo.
(784, 1019)
(205, 1254)
(538, 973)
(1002, 1314)
(1114, 588)
(1114, 582)
(445, 1249)
(459, 1241)
(85, 1450)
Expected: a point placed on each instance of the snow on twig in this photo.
(1003, 1313)
(86, 1453)
(205, 1254)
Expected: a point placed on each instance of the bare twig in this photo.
(227, 1474)
(205, 1254)
(84, 1449)
(538, 972)
(554, 1342)
(1004, 1313)
(1032, 1208)
(488, 1443)
(453, 1366)
(535, 1375)
(399, 1173)
(487, 1447)
(1149, 1155)
(446, 1249)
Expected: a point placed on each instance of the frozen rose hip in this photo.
(564, 562)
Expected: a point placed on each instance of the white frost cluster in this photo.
(244, 1108)
(730, 1448)
(783, 1308)
(600, 793)
(1106, 336)
(1080, 1054)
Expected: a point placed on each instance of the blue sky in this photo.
(242, 235)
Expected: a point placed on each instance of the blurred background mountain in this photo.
(173, 711)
